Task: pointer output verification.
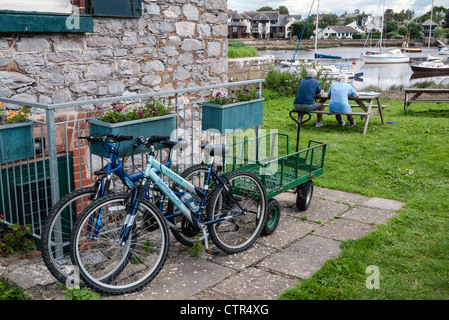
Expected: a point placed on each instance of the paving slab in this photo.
(344, 229)
(303, 258)
(369, 215)
(254, 284)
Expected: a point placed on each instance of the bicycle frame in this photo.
(152, 168)
(115, 166)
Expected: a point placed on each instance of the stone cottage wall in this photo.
(175, 44)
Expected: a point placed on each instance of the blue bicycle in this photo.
(120, 242)
(59, 223)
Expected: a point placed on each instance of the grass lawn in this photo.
(407, 161)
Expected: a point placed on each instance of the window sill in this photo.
(14, 21)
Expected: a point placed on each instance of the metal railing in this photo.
(30, 187)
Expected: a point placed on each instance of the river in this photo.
(383, 76)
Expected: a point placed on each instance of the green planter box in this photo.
(163, 125)
(240, 115)
(16, 141)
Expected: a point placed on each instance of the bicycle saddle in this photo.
(179, 144)
(215, 149)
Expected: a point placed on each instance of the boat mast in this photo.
(316, 25)
(382, 27)
(430, 27)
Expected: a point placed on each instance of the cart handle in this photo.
(300, 112)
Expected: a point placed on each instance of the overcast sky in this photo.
(338, 7)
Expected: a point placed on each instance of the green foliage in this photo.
(197, 248)
(239, 95)
(78, 293)
(15, 238)
(287, 83)
(297, 29)
(8, 292)
(153, 107)
(11, 116)
(414, 30)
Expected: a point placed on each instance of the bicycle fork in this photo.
(133, 205)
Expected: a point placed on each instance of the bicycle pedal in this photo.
(212, 251)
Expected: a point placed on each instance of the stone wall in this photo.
(242, 69)
(175, 44)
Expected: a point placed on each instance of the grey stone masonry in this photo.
(162, 50)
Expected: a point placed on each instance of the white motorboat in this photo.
(433, 66)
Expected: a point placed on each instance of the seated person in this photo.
(338, 103)
(308, 90)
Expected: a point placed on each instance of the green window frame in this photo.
(115, 8)
(29, 22)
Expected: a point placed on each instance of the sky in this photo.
(302, 7)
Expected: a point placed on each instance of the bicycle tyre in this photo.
(57, 262)
(126, 268)
(222, 205)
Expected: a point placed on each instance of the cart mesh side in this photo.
(279, 173)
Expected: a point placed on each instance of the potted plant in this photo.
(240, 110)
(151, 118)
(16, 140)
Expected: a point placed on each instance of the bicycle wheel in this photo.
(186, 233)
(239, 210)
(57, 229)
(104, 264)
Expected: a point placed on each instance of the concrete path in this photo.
(302, 242)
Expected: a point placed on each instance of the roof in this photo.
(343, 29)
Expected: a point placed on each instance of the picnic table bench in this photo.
(367, 101)
(412, 95)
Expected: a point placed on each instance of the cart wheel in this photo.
(274, 214)
(304, 196)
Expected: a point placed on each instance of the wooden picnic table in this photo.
(413, 95)
(368, 102)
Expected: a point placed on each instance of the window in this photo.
(115, 8)
(62, 15)
(54, 6)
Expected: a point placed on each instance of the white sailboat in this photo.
(392, 56)
(332, 71)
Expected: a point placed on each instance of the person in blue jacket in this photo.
(308, 90)
(338, 103)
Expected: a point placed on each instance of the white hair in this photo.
(311, 73)
(343, 78)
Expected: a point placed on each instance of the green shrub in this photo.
(286, 83)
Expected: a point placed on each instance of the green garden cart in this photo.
(268, 156)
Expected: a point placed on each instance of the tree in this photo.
(266, 8)
(415, 30)
(297, 29)
(402, 30)
(391, 26)
(283, 10)
(327, 20)
(348, 20)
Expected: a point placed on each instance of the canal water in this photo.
(383, 76)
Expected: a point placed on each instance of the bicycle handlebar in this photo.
(107, 138)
